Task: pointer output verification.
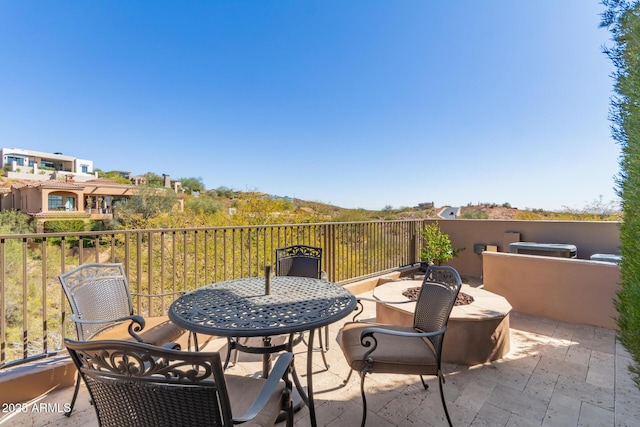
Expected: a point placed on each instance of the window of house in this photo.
(55, 203)
(62, 203)
(84, 168)
(19, 160)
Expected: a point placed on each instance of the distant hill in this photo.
(334, 213)
(488, 211)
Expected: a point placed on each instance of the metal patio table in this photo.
(246, 308)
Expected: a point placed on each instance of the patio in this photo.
(556, 373)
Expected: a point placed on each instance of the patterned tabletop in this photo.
(240, 308)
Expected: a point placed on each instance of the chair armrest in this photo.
(172, 346)
(367, 338)
(137, 323)
(279, 371)
(368, 332)
(384, 302)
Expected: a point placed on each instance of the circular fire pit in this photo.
(462, 298)
(477, 332)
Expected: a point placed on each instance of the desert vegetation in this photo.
(218, 235)
(622, 18)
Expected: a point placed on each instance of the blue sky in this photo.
(359, 103)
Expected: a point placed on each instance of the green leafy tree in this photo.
(622, 18)
(191, 185)
(15, 222)
(202, 204)
(114, 175)
(145, 204)
(225, 192)
(153, 179)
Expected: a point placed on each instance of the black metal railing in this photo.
(160, 263)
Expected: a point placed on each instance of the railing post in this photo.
(150, 273)
(413, 242)
(330, 251)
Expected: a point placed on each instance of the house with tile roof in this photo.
(65, 199)
(59, 194)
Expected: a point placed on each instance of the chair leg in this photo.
(444, 404)
(321, 345)
(348, 377)
(322, 350)
(237, 353)
(195, 341)
(326, 337)
(75, 395)
(230, 347)
(364, 399)
(424, 383)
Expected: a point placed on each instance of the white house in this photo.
(17, 162)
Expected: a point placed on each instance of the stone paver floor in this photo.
(557, 374)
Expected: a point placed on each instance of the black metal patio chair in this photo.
(102, 308)
(371, 348)
(304, 261)
(138, 385)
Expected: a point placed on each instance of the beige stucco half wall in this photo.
(571, 290)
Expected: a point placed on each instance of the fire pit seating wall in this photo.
(476, 332)
(569, 290)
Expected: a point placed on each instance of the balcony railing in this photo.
(162, 263)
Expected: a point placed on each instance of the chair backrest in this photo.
(435, 301)
(442, 274)
(97, 292)
(136, 384)
(299, 260)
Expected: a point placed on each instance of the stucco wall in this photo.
(577, 291)
(590, 237)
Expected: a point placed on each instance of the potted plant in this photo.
(437, 248)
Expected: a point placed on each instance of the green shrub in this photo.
(623, 19)
(473, 214)
(64, 226)
(102, 225)
(437, 248)
(15, 222)
(202, 204)
(68, 226)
